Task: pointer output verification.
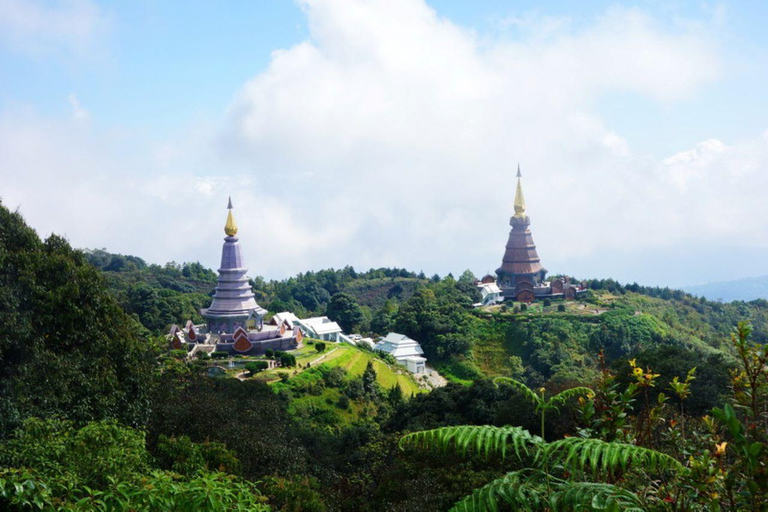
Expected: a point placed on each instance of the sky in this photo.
(388, 132)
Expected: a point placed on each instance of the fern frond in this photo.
(566, 395)
(523, 490)
(600, 455)
(580, 496)
(522, 388)
(485, 440)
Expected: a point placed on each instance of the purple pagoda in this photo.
(234, 321)
(233, 303)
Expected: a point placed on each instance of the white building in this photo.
(284, 317)
(357, 339)
(320, 328)
(490, 293)
(408, 352)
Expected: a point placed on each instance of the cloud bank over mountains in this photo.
(391, 137)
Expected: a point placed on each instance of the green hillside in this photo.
(88, 415)
(352, 359)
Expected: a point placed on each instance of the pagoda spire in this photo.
(230, 228)
(519, 197)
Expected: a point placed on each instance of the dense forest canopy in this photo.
(628, 388)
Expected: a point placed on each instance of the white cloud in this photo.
(79, 113)
(391, 137)
(422, 122)
(50, 28)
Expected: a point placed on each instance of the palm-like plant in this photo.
(535, 487)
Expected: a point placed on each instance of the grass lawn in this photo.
(352, 359)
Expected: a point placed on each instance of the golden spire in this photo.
(230, 228)
(519, 198)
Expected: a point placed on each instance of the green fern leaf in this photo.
(572, 496)
(522, 490)
(522, 388)
(486, 440)
(594, 454)
(566, 395)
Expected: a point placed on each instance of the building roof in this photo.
(319, 325)
(488, 288)
(399, 346)
(285, 316)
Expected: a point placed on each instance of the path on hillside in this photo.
(325, 354)
(241, 375)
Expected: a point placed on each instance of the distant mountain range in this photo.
(748, 288)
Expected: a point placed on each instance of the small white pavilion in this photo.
(490, 293)
(408, 352)
(320, 328)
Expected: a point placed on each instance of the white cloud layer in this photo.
(391, 136)
(41, 28)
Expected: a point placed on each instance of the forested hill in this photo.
(158, 295)
(97, 413)
(553, 341)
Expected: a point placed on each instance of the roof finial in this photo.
(519, 197)
(230, 228)
(229, 206)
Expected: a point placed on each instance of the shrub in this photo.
(269, 353)
(523, 307)
(219, 354)
(255, 367)
(561, 307)
(287, 360)
(179, 353)
(343, 402)
(335, 377)
(547, 303)
(320, 346)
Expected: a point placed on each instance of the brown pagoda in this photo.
(521, 275)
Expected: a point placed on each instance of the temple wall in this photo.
(259, 347)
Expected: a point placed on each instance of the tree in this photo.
(384, 318)
(320, 346)
(60, 320)
(344, 310)
(369, 379)
(255, 367)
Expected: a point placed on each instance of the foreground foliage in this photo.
(104, 466)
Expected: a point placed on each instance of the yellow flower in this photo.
(720, 448)
(637, 372)
(632, 363)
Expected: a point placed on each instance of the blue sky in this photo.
(178, 62)
(636, 123)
